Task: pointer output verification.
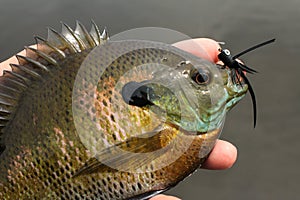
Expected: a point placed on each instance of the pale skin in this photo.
(224, 154)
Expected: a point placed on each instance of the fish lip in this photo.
(237, 96)
(232, 100)
(234, 96)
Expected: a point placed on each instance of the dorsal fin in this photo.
(38, 61)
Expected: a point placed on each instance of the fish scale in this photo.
(42, 154)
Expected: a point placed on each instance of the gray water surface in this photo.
(269, 155)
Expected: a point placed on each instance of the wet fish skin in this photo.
(43, 157)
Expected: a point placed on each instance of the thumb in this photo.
(202, 47)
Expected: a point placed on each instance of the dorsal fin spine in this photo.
(6, 102)
(31, 73)
(4, 111)
(4, 118)
(39, 39)
(95, 33)
(15, 91)
(33, 62)
(82, 32)
(17, 83)
(18, 77)
(7, 96)
(41, 54)
(40, 60)
(104, 35)
(14, 77)
(53, 34)
(72, 33)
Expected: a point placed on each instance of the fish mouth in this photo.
(235, 94)
(194, 123)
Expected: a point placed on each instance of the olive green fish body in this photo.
(44, 155)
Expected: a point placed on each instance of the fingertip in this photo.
(164, 197)
(223, 156)
(211, 47)
(203, 47)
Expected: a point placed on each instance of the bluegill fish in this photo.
(75, 125)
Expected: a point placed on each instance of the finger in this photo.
(164, 197)
(223, 156)
(202, 47)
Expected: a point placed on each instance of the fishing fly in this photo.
(238, 69)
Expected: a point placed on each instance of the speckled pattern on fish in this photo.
(41, 153)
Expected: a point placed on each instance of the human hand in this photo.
(222, 156)
(224, 153)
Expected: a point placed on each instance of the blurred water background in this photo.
(269, 155)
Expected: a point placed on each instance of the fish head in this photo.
(193, 94)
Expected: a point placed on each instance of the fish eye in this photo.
(200, 77)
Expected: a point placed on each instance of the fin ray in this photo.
(95, 33)
(39, 54)
(57, 39)
(39, 61)
(129, 154)
(84, 35)
(73, 37)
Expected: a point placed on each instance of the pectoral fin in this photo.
(130, 154)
